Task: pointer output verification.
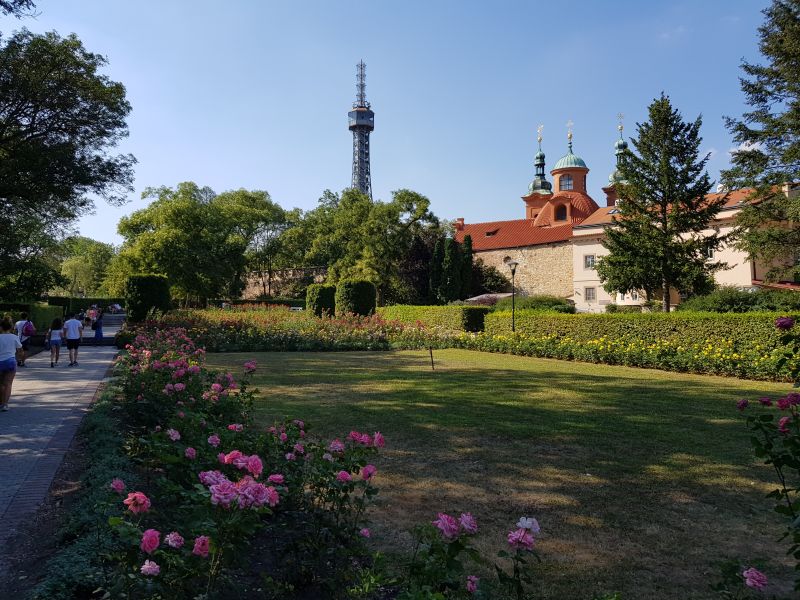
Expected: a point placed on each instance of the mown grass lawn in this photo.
(643, 481)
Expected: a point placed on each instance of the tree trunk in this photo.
(665, 295)
(263, 282)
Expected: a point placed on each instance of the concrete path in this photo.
(46, 407)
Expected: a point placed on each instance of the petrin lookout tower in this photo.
(361, 123)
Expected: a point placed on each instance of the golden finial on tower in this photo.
(620, 127)
(569, 129)
(539, 134)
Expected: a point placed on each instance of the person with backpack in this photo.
(73, 331)
(10, 352)
(25, 330)
(54, 337)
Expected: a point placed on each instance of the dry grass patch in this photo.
(643, 481)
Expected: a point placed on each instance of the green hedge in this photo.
(144, 293)
(454, 318)
(536, 302)
(74, 304)
(355, 296)
(290, 302)
(742, 345)
(728, 299)
(39, 313)
(321, 299)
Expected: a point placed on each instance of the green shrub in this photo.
(537, 302)
(355, 296)
(321, 299)
(451, 317)
(43, 314)
(612, 308)
(73, 304)
(729, 299)
(290, 302)
(144, 293)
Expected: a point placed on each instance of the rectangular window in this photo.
(588, 261)
(710, 253)
(634, 296)
(589, 294)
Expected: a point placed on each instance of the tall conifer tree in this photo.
(658, 238)
(769, 145)
(450, 288)
(466, 267)
(436, 271)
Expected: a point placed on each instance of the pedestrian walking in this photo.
(25, 330)
(54, 336)
(73, 332)
(98, 327)
(10, 353)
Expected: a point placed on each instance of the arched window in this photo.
(561, 213)
(565, 183)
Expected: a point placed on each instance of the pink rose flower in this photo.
(299, 448)
(190, 453)
(250, 366)
(784, 403)
(150, 568)
(468, 523)
(783, 424)
(181, 414)
(520, 539)
(235, 427)
(179, 387)
(283, 437)
(290, 456)
(472, 584)
(327, 456)
(742, 404)
(231, 456)
(299, 423)
(118, 485)
(216, 388)
(201, 546)
(255, 466)
(343, 476)
(447, 525)
(529, 523)
(211, 477)
(377, 440)
(174, 539)
(336, 446)
(137, 502)
(214, 440)
(755, 579)
(276, 478)
(150, 541)
(364, 532)
(173, 435)
(223, 493)
(368, 472)
(272, 496)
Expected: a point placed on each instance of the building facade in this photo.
(560, 239)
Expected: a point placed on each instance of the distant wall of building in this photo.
(545, 269)
(260, 284)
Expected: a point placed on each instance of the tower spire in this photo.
(361, 122)
(620, 146)
(539, 185)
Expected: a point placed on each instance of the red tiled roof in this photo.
(603, 215)
(512, 234)
(778, 285)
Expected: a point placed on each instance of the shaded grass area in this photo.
(643, 481)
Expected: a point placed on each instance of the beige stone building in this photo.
(560, 239)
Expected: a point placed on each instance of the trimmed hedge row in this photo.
(321, 299)
(290, 302)
(355, 296)
(454, 318)
(39, 313)
(74, 304)
(144, 293)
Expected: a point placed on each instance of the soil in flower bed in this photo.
(643, 481)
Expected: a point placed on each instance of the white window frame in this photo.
(566, 183)
(586, 294)
(587, 266)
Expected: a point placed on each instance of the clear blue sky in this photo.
(255, 94)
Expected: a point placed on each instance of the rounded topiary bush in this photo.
(321, 299)
(144, 293)
(355, 296)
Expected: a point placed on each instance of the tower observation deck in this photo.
(361, 122)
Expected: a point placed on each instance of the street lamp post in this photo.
(512, 264)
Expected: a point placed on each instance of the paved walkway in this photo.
(46, 407)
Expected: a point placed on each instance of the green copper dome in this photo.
(570, 160)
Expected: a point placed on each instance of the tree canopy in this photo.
(59, 119)
(768, 156)
(658, 239)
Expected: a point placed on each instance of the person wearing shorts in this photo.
(73, 331)
(10, 350)
(54, 336)
(24, 339)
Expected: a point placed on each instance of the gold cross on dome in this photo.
(539, 133)
(620, 118)
(569, 129)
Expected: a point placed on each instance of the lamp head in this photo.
(512, 264)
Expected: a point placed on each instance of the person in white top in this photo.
(73, 331)
(10, 351)
(54, 336)
(25, 330)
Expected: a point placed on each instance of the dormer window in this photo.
(565, 183)
(492, 232)
(561, 213)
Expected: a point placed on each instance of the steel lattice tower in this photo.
(361, 123)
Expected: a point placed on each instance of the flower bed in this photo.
(453, 318)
